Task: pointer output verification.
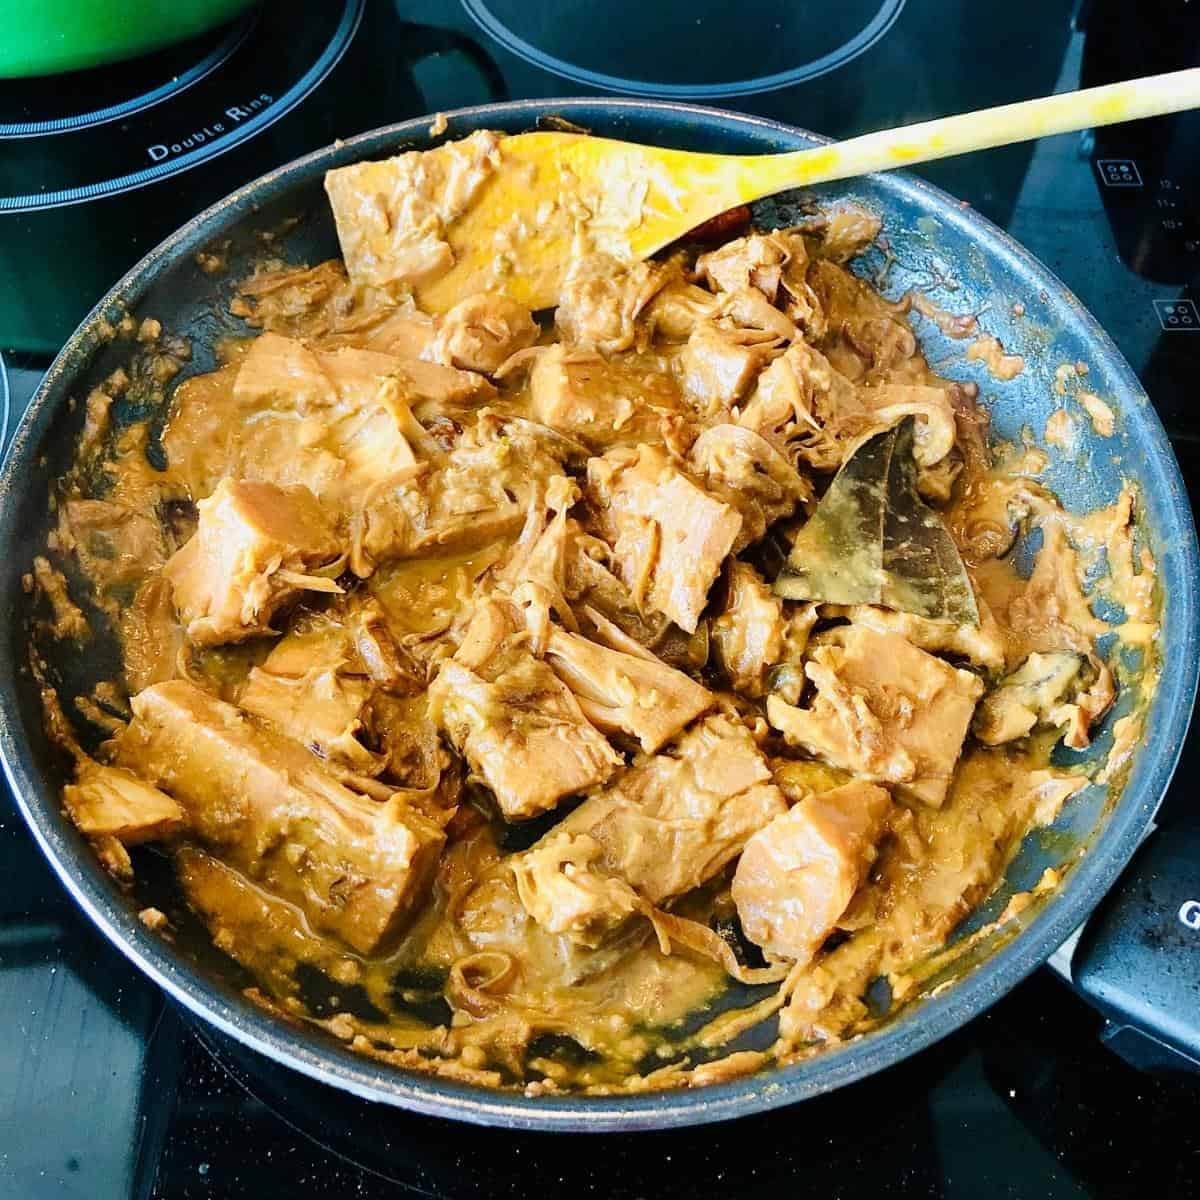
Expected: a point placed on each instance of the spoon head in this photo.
(557, 200)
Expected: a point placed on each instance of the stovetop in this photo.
(105, 1089)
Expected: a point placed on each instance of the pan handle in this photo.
(1138, 958)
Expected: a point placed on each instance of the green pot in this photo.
(44, 37)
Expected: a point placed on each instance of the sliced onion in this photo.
(478, 980)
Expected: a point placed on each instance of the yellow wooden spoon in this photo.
(523, 228)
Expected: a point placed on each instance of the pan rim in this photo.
(938, 1015)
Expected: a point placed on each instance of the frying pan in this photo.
(961, 261)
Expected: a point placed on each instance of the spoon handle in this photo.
(1151, 96)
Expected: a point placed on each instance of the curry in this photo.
(503, 686)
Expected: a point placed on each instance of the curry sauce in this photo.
(558, 700)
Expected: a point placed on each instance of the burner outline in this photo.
(326, 61)
(885, 17)
(113, 112)
(5, 400)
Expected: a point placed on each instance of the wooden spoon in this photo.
(633, 200)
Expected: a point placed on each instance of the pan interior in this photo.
(962, 264)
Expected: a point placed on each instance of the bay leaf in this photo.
(873, 540)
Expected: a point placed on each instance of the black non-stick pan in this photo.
(962, 261)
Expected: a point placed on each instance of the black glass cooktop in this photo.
(105, 1090)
